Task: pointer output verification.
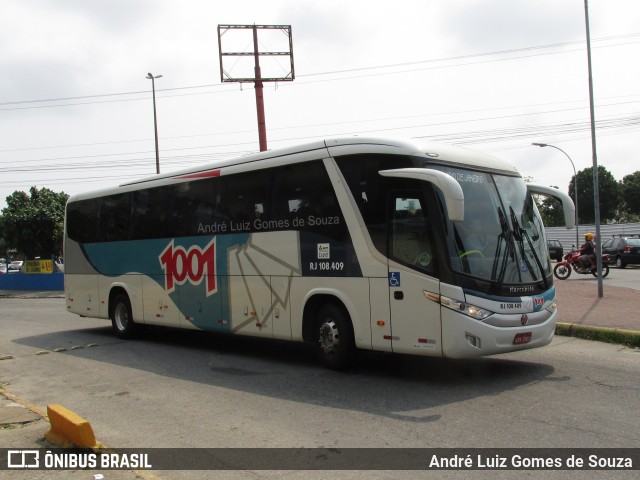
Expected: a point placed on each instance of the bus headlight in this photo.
(471, 310)
(467, 309)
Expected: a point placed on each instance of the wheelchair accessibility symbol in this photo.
(394, 279)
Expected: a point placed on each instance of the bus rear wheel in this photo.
(121, 317)
(334, 337)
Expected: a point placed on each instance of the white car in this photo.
(15, 266)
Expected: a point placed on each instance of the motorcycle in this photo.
(563, 269)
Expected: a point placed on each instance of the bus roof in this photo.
(435, 153)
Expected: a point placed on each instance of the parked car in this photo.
(555, 250)
(623, 250)
(15, 266)
(3, 268)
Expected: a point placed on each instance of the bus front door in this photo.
(415, 320)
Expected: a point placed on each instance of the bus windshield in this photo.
(502, 238)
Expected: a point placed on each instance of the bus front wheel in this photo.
(121, 316)
(334, 337)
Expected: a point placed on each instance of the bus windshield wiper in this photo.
(520, 234)
(507, 237)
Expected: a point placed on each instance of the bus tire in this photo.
(334, 337)
(121, 316)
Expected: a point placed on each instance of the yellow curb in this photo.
(578, 326)
(68, 428)
(24, 403)
(630, 338)
(58, 437)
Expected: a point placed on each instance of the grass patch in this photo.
(628, 338)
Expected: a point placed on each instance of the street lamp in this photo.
(155, 118)
(575, 184)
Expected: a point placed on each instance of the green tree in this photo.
(631, 193)
(33, 223)
(610, 195)
(550, 209)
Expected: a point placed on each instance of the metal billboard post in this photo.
(257, 78)
(262, 125)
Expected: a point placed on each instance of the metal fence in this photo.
(568, 237)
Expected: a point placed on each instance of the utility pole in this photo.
(257, 78)
(155, 117)
(596, 186)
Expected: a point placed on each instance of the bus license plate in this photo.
(522, 338)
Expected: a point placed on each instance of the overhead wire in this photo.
(319, 74)
(489, 135)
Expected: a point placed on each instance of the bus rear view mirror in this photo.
(568, 207)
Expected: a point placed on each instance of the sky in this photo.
(76, 111)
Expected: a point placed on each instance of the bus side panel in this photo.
(416, 324)
(281, 294)
(260, 277)
(380, 314)
(132, 285)
(157, 305)
(81, 293)
(80, 282)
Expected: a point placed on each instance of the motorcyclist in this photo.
(586, 253)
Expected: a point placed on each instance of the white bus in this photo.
(350, 243)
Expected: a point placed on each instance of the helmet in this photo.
(588, 236)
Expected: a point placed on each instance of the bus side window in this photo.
(114, 218)
(410, 242)
(82, 220)
(242, 198)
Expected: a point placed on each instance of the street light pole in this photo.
(596, 186)
(155, 118)
(575, 185)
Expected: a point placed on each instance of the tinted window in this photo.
(293, 197)
(113, 217)
(82, 220)
(410, 242)
(304, 199)
(370, 189)
(150, 213)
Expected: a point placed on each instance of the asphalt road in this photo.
(187, 389)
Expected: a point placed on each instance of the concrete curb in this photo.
(31, 294)
(629, 338)
(29, 406)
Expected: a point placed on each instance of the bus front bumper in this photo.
(464, 337)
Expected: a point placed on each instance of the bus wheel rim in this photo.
(122, 317)
(329, 336)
